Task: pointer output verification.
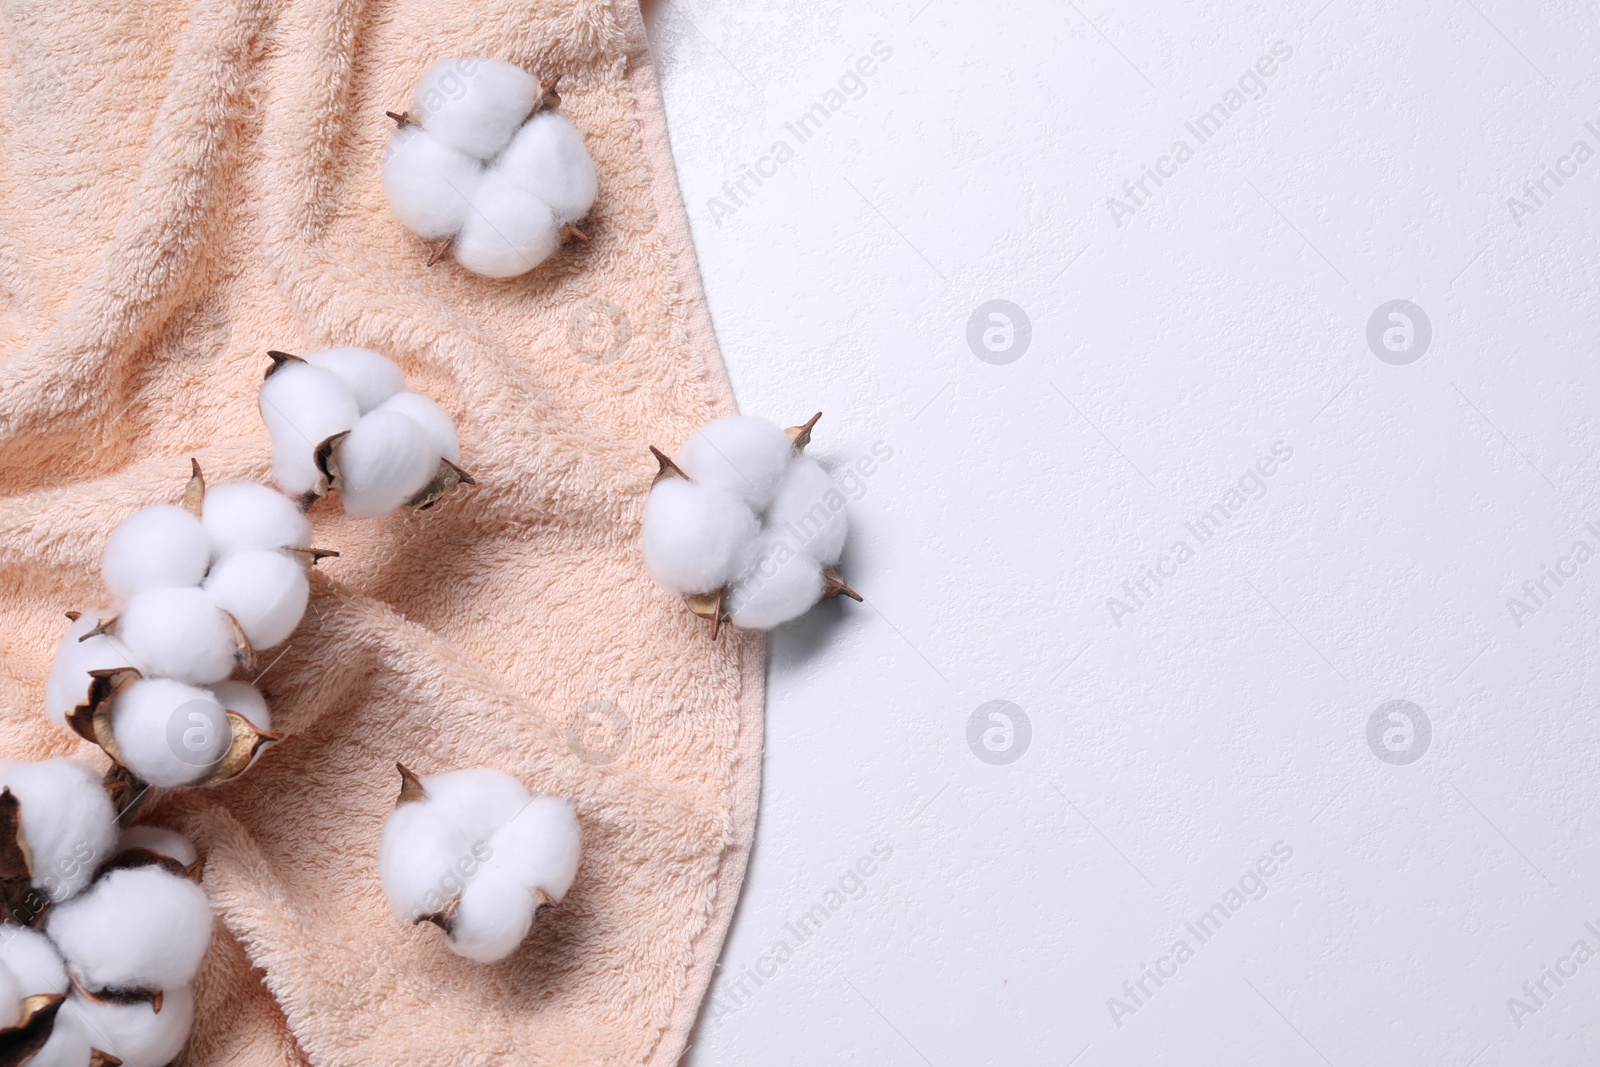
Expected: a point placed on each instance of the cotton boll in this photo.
(67, 820)
(265, 592)
(157, 547)
(136, 1033)
(420, 859)
(808, 512)
(695, 539)
(781, 584)
(177, 633)
(429, 184)
(68, 684)
(69, 1044)
(240, 516)
(741, 454)
(423, 411)
(161, 841)
(494, 916)
(370, 377)
(168, 733)
(32, 961)
(385, 461)
(508, 232)
(246, 700)
(303, 406)
(540, 847)
(548, 158)
(135, 928)
(475, 104)
(478, 801)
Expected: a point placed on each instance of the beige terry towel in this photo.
(186, 187)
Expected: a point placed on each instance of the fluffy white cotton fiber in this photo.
(430, 185)
(303, 406)
(177, 633)
(68, 683)
(479, 170)
(157, 839)
(475, 104)
(241, 516)
(494, 916)
(539, 847)
(168, 733)
(265, 592)
(67, 820)
(742, 454)
(371, 378)
(695, 539)
(244, 699)
(508, 231)
(157, 547)
(32, 961)
(547, 157)
(433, 419)
(69, 1044)
(809, 512)
(385, 461)
(136, 1034)
(781, 585)
(479, 841)
(135, 928)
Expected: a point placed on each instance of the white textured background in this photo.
(1225, 316)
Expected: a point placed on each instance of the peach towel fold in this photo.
(187, 187)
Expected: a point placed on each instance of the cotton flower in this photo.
(168, 733)
(469, 167)
(245, 516)
(136, 928)
(745, 527)
(265, 591)
(389, 448)
(178, 633)
(474, 853)
(158, 547)
(62, 817)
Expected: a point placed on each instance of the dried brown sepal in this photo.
(402, 118)
(243, 654)
(543, 901)
(153, 997)
(132, 858)
(569, 232)
(16, 861)
(194, 492)
(548, 97)
(835, 585)
(101, 627)
(324, 456)
(126, 790)
(279, 361)
(411, 789)
(438, 250)
(709, 606)
(665, 468)
(310, 557)
(444, 918)
(87, 719)
(445, 480)
(74, 615)
(21, 1043)
(103, 1059)
(800, 435)
(246, 741)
